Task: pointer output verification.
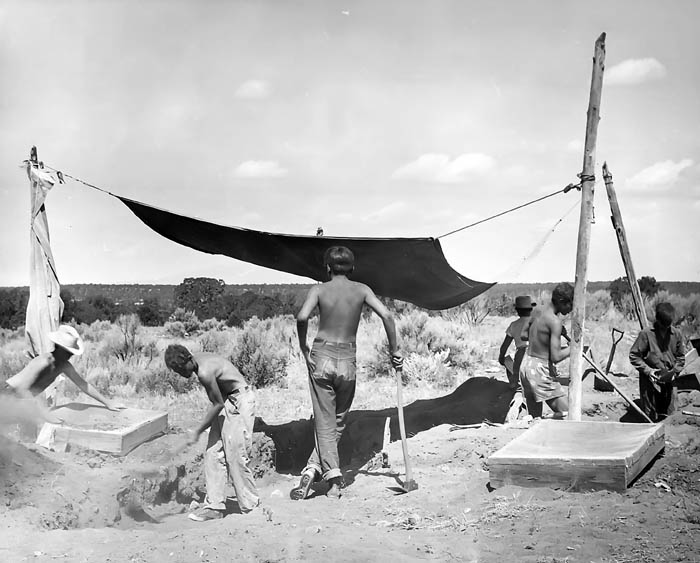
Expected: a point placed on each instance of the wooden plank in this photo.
(97, 428)
(140, 433)
(577, 455)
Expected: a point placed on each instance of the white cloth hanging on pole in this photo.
(45, 306)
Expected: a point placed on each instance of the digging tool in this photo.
(615, 342)
(599, 371)
(409, 484)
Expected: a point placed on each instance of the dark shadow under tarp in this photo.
(409, 269)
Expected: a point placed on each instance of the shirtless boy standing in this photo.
(544, 351)
(331, 362)
(230, 421)
(43, 370)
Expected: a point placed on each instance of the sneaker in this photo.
(206, 514)
(301, 491)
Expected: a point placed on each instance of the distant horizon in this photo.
(311, 282)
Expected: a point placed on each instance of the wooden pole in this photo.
(616, 218)
(584, 231)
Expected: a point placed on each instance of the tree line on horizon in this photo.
(211, 298)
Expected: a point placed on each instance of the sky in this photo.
(370, 119)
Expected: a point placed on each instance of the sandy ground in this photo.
(85, 506)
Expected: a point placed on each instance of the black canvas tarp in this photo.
(409, 269)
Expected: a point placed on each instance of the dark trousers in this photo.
(658, 400)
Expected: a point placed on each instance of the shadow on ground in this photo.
(476, 399)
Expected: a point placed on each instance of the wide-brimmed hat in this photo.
(67, 337)
(524, 302)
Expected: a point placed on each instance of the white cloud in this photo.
(658, 176)
(575, 145)
(439, 168)
(260, 169)
(391, 210)
(253, 90)
(635, 71)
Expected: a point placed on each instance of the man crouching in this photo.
(230, 421)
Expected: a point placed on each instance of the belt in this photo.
(239, 390)
(339, 344)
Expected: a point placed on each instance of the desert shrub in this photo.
(598, 304)
(161, 381)
(129, 344)
(212, 324)
(475, 310)
(432, 368)
(261, 351)
(187, 318)
(176, 329)
(11, 363)
(95, 331)
(500, 305)
(217, 342)
(101, 380)
(436, 340)
(423, 334)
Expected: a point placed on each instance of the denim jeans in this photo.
(228, 452)
(332, 386)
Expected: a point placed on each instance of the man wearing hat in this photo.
(43, 370)
(659, 356)
(523, 306)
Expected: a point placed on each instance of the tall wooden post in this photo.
(616, 218)
(584, 231)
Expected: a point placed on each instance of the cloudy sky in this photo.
(373, 119)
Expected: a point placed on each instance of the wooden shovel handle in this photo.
(402, 426)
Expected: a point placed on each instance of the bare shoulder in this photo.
(208, 364)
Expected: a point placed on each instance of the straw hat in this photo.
(67, 337)
(524, 302)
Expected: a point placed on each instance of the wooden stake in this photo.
(584, 231)
(616, 218)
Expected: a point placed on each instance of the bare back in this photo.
(213, 368)
(340, 304)
(544, 336)
(38, 374)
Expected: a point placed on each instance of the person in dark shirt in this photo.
(658, 355)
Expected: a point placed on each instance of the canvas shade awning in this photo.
(409, 269)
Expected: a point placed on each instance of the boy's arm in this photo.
(70, 372)
(504, 348)
(679, 354)
(638, 352)
(556, 352)
(310, 303)
(525, 331)
(389, 326)
(217, 403)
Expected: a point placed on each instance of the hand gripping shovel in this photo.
(409, 484)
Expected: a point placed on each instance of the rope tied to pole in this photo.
(564, 190)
